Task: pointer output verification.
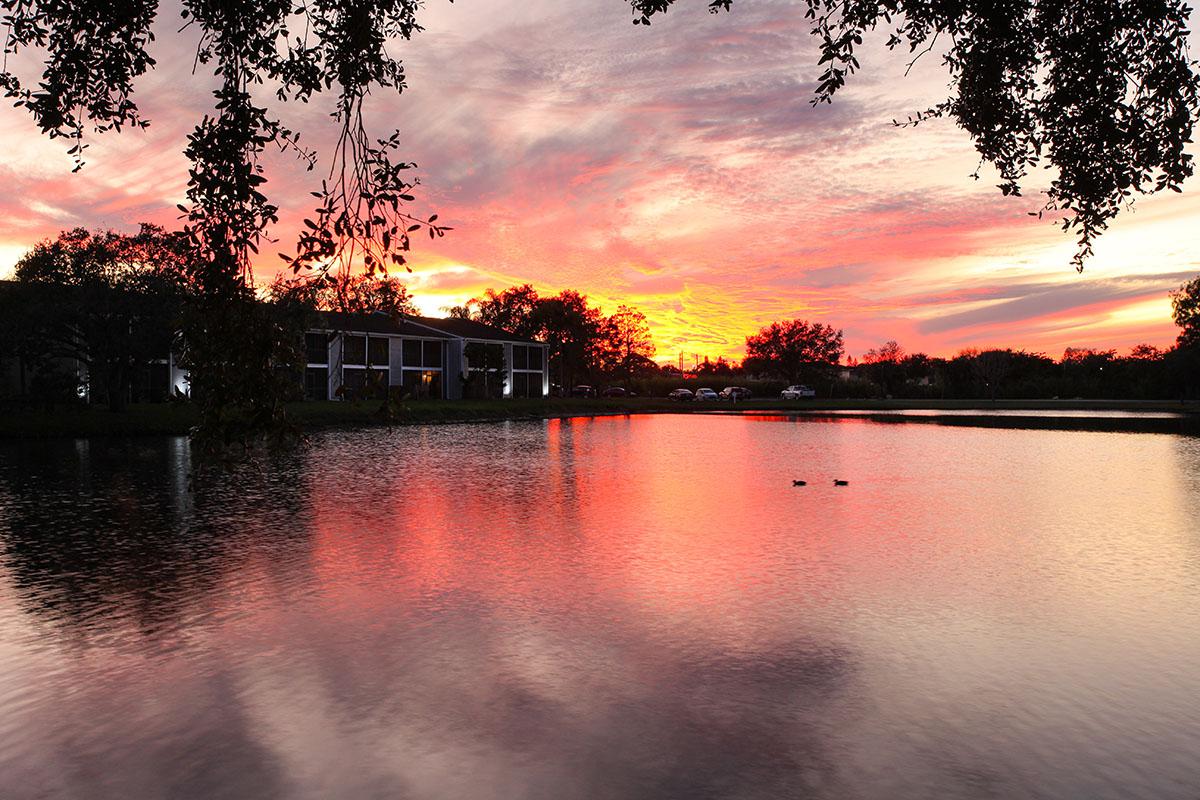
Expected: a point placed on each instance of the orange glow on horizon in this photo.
(580, 154)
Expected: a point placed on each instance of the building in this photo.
(421, 357)
(418, 357)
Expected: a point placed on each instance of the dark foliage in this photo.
(105, 301)
(1146, 373)
(1185, 308)
(585, 345)
(626, 346)
(361, 293)
(1103, 91)
(91, 52)
(486, 371)
(795, 350)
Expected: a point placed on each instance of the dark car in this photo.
(615, 391)
(735, 393)
(583, 390)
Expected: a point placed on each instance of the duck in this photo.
(840, 483)
(799, 483)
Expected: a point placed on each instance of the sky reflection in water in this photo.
(608, 608)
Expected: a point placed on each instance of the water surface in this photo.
(633, 607)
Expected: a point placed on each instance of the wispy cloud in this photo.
(678, 167)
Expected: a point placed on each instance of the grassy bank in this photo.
(173, 418)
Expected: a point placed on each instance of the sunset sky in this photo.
(678, 168)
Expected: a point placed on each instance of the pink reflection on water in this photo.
(622, 607)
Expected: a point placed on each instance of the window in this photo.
(316, 383)
(353, 381)
(354, 350)
(433, 354)
(423, 383)
(412, 352)
(520, 356)
(493, 355)
(378, 351)
(527, 384)
(317, 347)
(535, 358)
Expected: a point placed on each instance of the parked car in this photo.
(797, 392)
(735, 393)
(682, 395)
(615, 391)
(707, 394)
(583, 390)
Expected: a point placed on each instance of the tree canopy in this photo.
(584, 343)
(627, 345)
(359, 293)
(108, 300)
(513, 309)
(1103, 92)
(890, 352)
(262, 53)
(93, 51)
(1185, 307)
(795, 349)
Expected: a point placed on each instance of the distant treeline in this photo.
(1146, 373)
(112, 305)
(803, 352)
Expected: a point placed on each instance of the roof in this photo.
(470, 329)
(377, 322)
(429, 327)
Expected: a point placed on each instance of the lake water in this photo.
(626, 607)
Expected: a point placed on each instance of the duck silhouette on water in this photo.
(837, 482)
(799, 483)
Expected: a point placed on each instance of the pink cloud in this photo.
(677, 167)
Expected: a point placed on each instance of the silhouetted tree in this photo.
(1184, 360)
(626, 346)
(796, 349)
(487, 370)
(93, 52)
(882, 365)
(32, 343)
(1185, 308)
(1103, 90)
(513, 309)
(720, 367)
(108, 300)
(577, 332)
(361, 293)
(991, 368)
(572, 329)
(1146, 352)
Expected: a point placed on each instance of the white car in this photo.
(797, 392)
(707, 394)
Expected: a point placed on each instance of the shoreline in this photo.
(171, 419)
